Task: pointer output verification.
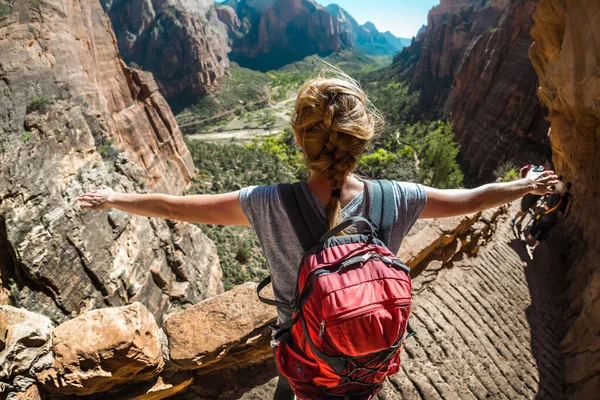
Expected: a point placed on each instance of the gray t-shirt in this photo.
(265, 211)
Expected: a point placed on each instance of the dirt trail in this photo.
(488, 327)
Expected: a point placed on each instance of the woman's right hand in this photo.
(96, 200)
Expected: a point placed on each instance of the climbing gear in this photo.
(540, 215)
(351, 305)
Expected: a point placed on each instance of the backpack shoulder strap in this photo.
(305, 221)
(380, 208)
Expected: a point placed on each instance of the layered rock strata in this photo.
(276, 33)
(471, 66)
(566, 56)
(218, 348)
(56, 49)
(183, 43)
(74, 117)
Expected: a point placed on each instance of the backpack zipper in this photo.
(339, 318)
(322, 330)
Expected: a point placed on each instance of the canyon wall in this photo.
(276, 33)
(183, 43)
(566, 57)
(499, 118)
(73, 117)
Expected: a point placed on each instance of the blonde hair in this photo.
(334, 121)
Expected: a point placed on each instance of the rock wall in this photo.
(183, 43)
(74, 117)
(566, 57)
(60, 49)
(218, 348)
(471, 66)
(279, 32)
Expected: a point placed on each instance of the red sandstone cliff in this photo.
(65, 96)
(471, 65)
(182, 42)
(566, 57)
(276, 33)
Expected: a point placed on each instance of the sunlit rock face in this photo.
(74, 117)
(565, 56)
(276, 33)
(184, 43)
(471, 66)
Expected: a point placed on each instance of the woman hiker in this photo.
(333, 122)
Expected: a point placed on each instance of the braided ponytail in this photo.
(334, 120)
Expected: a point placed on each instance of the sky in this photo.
(401, 17)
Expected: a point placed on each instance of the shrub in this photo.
(439, 167)
(243, 255)
(39, 104)
(384, 164)
(26, 136)
(507, 172)
(5, 9)
(104, 148)
(14, 294)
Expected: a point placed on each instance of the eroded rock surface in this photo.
(566, 56)
(61, 260)
(74, 117)
(24, 346)
(499, 118)
(61, 49)
(486, 327)
(183, 43)
(277, 32)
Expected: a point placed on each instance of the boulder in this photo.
(33, 393)
(102, 350)
(26, 340)
(227, 329)
(428, 235)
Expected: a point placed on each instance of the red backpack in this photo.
(351, 305)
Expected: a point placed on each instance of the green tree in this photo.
(438, 167)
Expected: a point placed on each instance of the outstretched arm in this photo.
(453, 202)
(218, 209)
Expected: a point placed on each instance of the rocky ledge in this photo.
(218, 348)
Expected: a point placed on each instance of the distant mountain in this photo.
(366, 38)
(274, 33)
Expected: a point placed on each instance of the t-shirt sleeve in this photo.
(256, 202)
(410, 201)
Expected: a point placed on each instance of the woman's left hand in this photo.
(96, 200)
(543, 183)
